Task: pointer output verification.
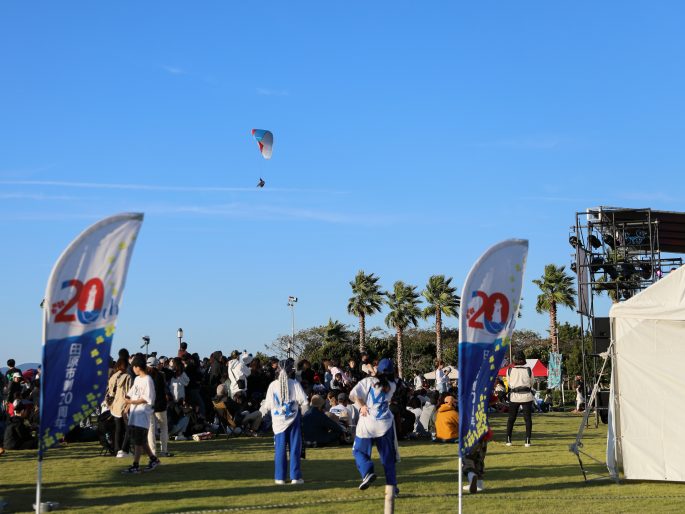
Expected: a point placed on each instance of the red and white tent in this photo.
(538, 368)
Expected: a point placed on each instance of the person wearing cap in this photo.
(286, 401)
(375, 426)
(352, 413)
(520, 379)
(15, 386)
(317, 428)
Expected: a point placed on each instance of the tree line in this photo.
(416, 349)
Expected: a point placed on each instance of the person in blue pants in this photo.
(375, 426)
(286, 400)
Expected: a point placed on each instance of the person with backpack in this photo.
(520, 378)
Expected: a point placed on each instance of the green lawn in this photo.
(237, 473)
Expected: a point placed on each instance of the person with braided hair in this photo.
(287, 402)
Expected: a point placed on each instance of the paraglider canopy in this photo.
(265, 140)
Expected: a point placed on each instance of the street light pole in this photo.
(292, 300)
(179, 334)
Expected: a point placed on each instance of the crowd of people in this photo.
(151, 400)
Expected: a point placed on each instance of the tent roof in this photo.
(538, 368)
(664, 300)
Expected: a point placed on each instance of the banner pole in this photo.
(460, 486)
(39, 478)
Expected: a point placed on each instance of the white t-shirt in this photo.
(140, 414)
(379, 419)
(442, 378)
(282, 416)
(177, 385)
(339, 410)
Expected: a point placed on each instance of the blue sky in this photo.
(408, 138)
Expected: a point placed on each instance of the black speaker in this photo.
(601, 334)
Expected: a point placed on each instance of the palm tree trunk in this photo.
(362, 333)
(438, 333)
(400, 360)
(553, 327)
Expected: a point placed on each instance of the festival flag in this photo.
(490, 302)
(81, 305)
(554, 371)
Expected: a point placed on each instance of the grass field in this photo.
(237, 474)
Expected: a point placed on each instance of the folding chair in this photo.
(226, 421)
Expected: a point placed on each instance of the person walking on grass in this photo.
(140, 399)
(372, 396)
(520, 378)
(286, 401)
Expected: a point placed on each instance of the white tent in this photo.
(645, 418)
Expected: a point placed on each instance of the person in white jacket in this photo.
(238, 371)
(287, 402)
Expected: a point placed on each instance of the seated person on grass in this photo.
(447, 421)
(317, 428)
(17, 433)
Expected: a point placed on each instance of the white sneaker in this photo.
(279, 482)
(180, 438)
(527, 445)
(121, 454)
(508, 443)
(479, 486)
(298, 481)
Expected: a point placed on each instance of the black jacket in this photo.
(17, 434)
(316, 426)
(160, 392)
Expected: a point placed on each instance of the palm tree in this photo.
(334, 332)
(442, 299)
(557, 289)
(367, 301)
(404, 311)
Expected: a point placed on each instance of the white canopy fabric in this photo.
(647, 374)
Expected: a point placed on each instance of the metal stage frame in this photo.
(620, 252)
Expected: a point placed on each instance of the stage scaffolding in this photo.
(618, 252)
